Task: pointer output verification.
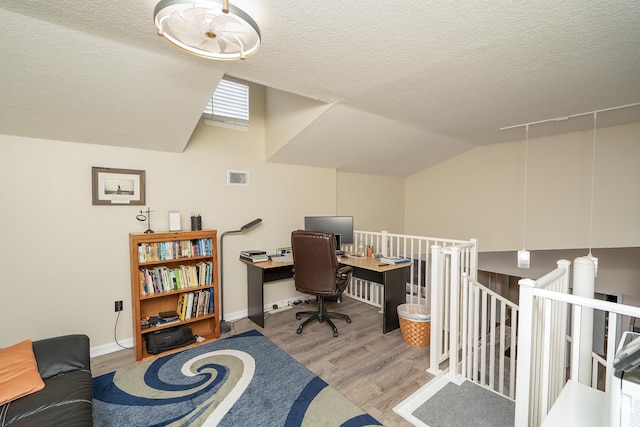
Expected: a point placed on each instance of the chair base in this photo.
(321, 315)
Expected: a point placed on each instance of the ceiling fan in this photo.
(208, 28)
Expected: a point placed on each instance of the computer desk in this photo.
(392, 277)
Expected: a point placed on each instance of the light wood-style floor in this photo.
(374, 370)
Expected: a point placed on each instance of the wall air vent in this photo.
(237, 178)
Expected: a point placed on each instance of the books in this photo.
(162, 251)
(254, 255)
(195, 304)
(256, 258)
(252, 252)
(163, 322)
(394, 260)
(164, 279)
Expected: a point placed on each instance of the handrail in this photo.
(627, 310)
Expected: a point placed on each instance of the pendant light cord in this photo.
(524, 202)
(593, 178)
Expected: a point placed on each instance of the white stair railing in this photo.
(534, 333)
(416, 248)
(545, 362)
(488, 332)
(448, 266)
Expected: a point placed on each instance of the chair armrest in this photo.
(62, 354)
(344, 271)
(343, 277)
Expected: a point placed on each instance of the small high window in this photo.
(229, 105)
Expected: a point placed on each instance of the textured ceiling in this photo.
(411, 83)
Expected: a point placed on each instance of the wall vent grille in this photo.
(237, 178)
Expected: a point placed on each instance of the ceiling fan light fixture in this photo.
(207, 28)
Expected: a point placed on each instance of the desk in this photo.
(392, 277)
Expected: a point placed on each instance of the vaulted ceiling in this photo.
(409, 84)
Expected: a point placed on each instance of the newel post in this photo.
(454, 311)
(436, 328)
(584, 286)
(523, 365)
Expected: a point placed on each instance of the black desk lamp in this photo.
(224, 325)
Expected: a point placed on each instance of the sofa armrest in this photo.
(62, 354)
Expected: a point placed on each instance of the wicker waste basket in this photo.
(415, 324)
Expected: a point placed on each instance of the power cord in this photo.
(115, 327)
(232, 330)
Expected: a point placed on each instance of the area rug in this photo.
(243, 380)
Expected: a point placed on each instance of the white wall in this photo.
(64, 262)
(479, 193)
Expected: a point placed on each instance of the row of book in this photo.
(163, 279)
(195, 304)
(254, 255)
(166, 251)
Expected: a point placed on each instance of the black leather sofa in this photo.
(64, 364)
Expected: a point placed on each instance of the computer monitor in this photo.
(341, 226)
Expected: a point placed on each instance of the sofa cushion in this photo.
(62, 354)
(19, 374)
(66, 401)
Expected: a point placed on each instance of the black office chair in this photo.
(316, 272)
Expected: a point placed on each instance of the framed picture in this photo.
(117, 186)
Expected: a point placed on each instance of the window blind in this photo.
(229, 104)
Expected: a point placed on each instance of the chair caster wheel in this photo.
(299, 331)
(298, 317)
(335, 333)
(348, 320)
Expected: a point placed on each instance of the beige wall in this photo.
(479, 193)
(64, 262)
(376, 202)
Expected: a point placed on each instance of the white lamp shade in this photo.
(595, 264)
(524, 258)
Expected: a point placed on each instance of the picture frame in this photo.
(117, 187)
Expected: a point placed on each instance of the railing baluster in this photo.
(492, 345)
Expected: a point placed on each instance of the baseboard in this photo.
(112, 347)
(229, 317)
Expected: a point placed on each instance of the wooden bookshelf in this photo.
(189, 260)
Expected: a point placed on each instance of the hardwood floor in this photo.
(374, 370)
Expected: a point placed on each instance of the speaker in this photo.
(174, 221)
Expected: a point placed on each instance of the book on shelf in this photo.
(211, 302)
(163, 322)
(201, 304)
(168, 315)
(182, 305)
(194, 307)
(394, 260)
(206, 303)
(187, 313)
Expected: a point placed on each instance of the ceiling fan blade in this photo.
(188, 30)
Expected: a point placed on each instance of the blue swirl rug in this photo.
(244, 380)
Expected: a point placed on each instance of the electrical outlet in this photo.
(118, 306)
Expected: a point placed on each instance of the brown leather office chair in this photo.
(316, 272)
